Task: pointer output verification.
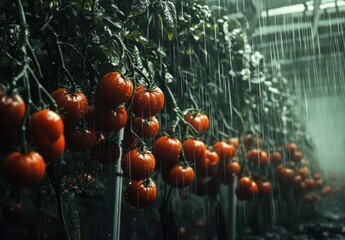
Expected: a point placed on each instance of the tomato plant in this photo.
(138, 165)
(23, 170)
(147, 102)
(145, 128)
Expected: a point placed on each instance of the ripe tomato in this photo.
(180, 176)
(224, 150)
(310, 183)
(23, 170)
(129, 141)
(275, 157)
(317, 176)
(74, 106)
(114, 89)
(46, 127)
(290, 149)
(12, 110)
(194, 150)
(257, 156)
(246, 189)
(78, 139)
(105, 152)
(298, 156)
(147, 103)
(208, 165)
(235, 142)
(141, 193)
(199, 121)
(285, 175)
(264, 188)
(107, 119)
(138, 165)
(166, 151)
(252, 141)
(232, 168)
(303, 172)
(297, 180)
(145, 128)
(12, 211)
(52, 152)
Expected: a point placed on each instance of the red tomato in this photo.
(326, 191)
(141, 193)
(310, 183)
(298, 156)
(80, 139)
(180, 176)
(12, 211)
(199, 121)
(225, 151)
(194, 150)
(275, 157)
(46, 127)
(264, 188)
(257, 156)
(303, 172)
(74, 106)
(114, 89)
(129, 141)
(208, 166)
(235, 142)
(106, 153)
(145, 128)
(228, 171)
(166, 151)
(246, 189)
(317, 176)
(138, 165)
(107, 119)
(147, 103)
(291, 148)
(52, 152)
(23, 170)
(12, 110)
(286, 175)
(252, 141)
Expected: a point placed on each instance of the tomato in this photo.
(147, 103)
(12, 211)
(199, 121)
(264, 188)
(180, 176)
(285, 175)
(105, 152)
(141, 193)
(12, 110)
(107, 119)
(224, 150)
(303, 172)
(252, 141)
(166, 151)
(290, 149)
(74, 106)
(275, 157)
(114, 89)
(145, 128)
(52, 152)
(246, 189)
(208, 166)
(326, 191)
(8, 139)
(235, 142)
(194, 150)
(78, 139)
(317, 176)
(129, 141)
(46, 127)
(138, 165)
(298, 156)
(310, 183)
(257, 156)
(297, 180)
(23, 170)
(232, 168)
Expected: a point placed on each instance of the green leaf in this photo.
(70, 214)
(169, 18)
(139, 7)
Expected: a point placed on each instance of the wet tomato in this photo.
(303, 172)
(105, 152)
(147, 102)
(129, 141)
(228, 171)
(181, 176)
(141, 193)
(12, 110)
(114, 89)
(80, 139)
(252, 141)
(23, 170)
(145, 128)
(257, 156)
(74, 106)
(225, 151)
(12, 211)
(235, 142)
(107, 119)
(138, 165)
(285, 175)
(166, 151)
(264, 188)
(194, 150)
(208, 165)
(290, 149)
(310, 183)
(52, 152)
(246, 189)
(46, 127)
(199, 121)
(275, 157)
(298, 156)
